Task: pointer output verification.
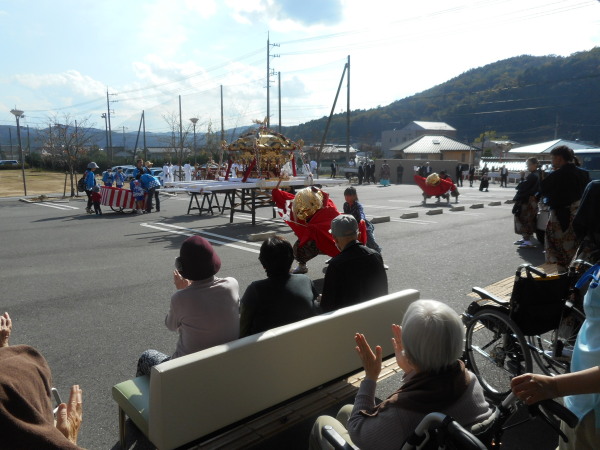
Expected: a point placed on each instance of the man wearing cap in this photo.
(355, 275)
(90, 182)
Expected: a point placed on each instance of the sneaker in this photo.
(385, 266)
(300, 269)
(519, 242)
(526, 244)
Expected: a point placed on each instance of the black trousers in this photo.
(89, 196)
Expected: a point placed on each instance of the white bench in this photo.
(193, 396)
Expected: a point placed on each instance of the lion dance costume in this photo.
(309, 214)
(434, 186)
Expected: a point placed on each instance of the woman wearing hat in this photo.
(205, 308)
(90, 182)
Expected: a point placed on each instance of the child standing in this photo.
(119, 178)
(352, 206)
(138, 194)
(96, 199)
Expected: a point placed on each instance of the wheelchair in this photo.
(539, 323)
(439, 431)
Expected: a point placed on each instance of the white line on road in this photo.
(56, 206)
(417, 222)
(207, 233)
(184, 233)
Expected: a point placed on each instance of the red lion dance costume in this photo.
(434, 186)
(309, 214)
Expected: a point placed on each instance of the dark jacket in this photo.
(276, 301)
(586, 222)
(564, 187)
(355, 275)
(528, 187)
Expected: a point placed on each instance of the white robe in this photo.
(167, 176)
(187, 170)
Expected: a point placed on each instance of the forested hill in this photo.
(521, 97)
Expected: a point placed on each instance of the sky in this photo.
(60, 57)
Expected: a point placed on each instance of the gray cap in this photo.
(92, 165)
(344, 225)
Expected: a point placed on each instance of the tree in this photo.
(67, 141)
(177, 150)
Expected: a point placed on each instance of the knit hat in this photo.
(198, 259)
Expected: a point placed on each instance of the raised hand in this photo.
(401, 358)
(179, 281)
(5, 329)
(69, 417)
(371, 361)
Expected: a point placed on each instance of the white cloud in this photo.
(71, 79)
(204, 8)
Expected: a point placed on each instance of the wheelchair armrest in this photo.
(485, 295)
(462, 438)
(336, 440)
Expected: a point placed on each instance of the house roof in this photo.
(431, 144)
(434, 125)
(546, 147)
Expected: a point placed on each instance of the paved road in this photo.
(91, 292)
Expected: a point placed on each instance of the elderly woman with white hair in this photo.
(428, 346)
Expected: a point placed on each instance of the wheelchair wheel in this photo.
(552, 351)
(496, 351)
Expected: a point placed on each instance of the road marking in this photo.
(168, 229)
(417, 222)
(207, 233)
(56, 206)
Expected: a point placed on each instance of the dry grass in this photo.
(38, 183)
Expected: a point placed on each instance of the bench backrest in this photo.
(197, 394)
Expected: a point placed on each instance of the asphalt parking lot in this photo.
(91, 292)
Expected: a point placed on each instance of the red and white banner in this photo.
(117, 198)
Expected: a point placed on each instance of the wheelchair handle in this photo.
(559, 411)
(530, 269)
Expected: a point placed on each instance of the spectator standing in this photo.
(139, 168)
(151, 186)
(108, 177)
(96, 199)
(361, 173)
(187, 171)
(384, 174)
(90, 182)
(119, 178)
(525, 206)
(205, 308)
(563, 189)
(282, 297)
(503, 176)
(167, 176)
(333, 169)
(399, 173)
(357, 273)
(459, 175)
(372, 171)
(471, 175)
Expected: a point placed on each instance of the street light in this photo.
(18, 114)
(106, 127)
(194, 120)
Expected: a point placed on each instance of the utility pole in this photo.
(123, 137)
(279, 89)
(222, 122)
(269, 73)
(180, 139)
(10, 140)
(29, 148)
(194, 121)
(348, 113)
(145, 148)
(111, 155)
(104, 116)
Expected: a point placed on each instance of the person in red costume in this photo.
(309, 214)
(435, 186)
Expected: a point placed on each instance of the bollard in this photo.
(380, 219)
(476, 205)
(412, 215)
(434, 212)
(457, 208)
(494, 203)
